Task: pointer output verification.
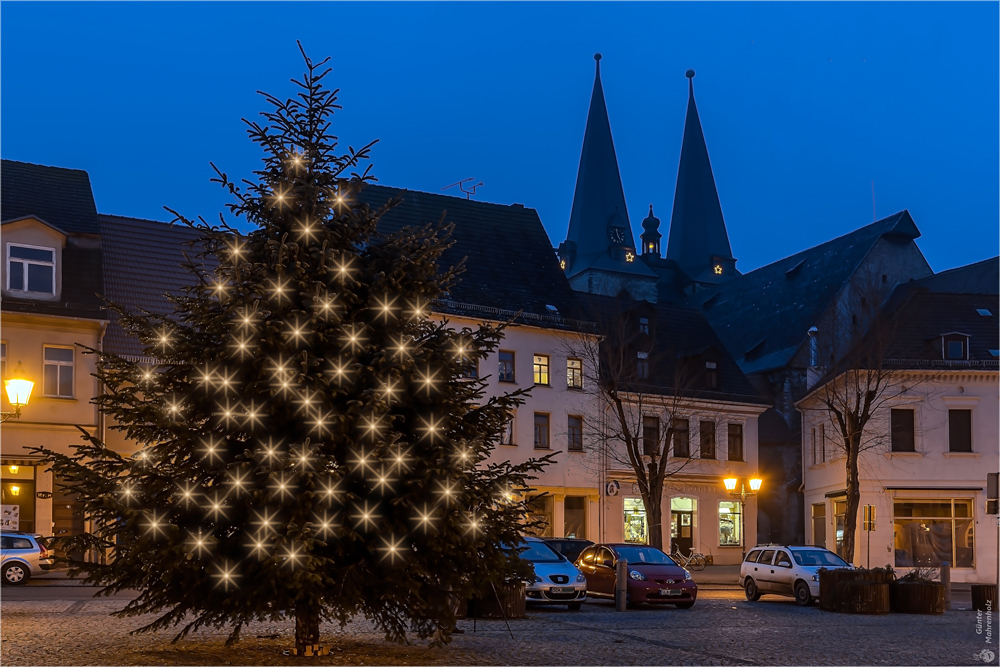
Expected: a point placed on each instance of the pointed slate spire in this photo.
(698, 238)
(599, 213)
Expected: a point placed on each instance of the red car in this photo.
(654, 577)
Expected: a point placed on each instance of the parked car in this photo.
(568, 546)
(654, 577)
(786, 570)
(22, 556)
(557, 580)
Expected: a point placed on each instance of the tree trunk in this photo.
(655, 520)
(853, 498)
(306, 627)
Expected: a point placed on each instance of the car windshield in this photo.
(818, 558)
(648, 555)
(539, 552)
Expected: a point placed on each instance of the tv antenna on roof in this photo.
(468, 193)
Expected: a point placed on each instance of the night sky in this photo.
(803, 104)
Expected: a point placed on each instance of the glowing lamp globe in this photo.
(755, 484)
(18, 388)
(730, 483)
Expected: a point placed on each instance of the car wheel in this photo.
(751, 590)
(802, 595)
(684, 605)
(575, 606)
(15, 574)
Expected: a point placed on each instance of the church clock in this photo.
(617, 235)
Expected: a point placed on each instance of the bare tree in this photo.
(644, 386)
(859, 382)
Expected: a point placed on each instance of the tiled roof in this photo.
(979, 278)
(509, 261)
(61, 197)
(679, 333)
(772, 308)
(142, 263)
(925, 316)
(81, 284)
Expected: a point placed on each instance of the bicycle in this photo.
(695, 561)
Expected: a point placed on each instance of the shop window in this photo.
(575, 517)
(682, 525)
(819, 524)
(729, 523)
(17, 497)
(574, 433)
(960, 430)
(540, 514)
(901, 428)
(930, 532)
(574, 374)
(541, 431)
(839, 517)
(541, 369)
(58, 371)
(650, 436)
(636, 528)
(506, 366)
(707, 439)
(682, 438)
(735, 442)
(31, 269)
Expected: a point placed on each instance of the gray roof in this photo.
(769, 310)
(697, 228)
(599, 199)
(978, 278)
(924, 316)
(61, 197)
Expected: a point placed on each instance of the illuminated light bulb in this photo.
(226, 575)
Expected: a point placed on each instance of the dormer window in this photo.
(644, 325)
(955, 346)
(31, 269)
(712, 374)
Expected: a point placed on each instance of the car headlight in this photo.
(538, 580)
(638, 576)
(687, 575)
(580, 578)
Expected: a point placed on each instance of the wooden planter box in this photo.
(855, 591)
(511, 603)
(918, 597)
(984, 597)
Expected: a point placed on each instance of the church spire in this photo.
(698, 240)
(600, 235)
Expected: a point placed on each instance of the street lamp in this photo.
(18, 391)
(741, 496)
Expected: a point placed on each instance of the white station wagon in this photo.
(791, 571)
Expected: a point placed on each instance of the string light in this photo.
(365, 517)
(425, 520)
(226, 574)
(385, 307)
(427, 379)
(392, 549)
(352, 338)
(431, 428)
(278, 289)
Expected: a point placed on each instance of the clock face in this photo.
(617, 234)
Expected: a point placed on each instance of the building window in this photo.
(31, 269)
(960, 430)
(901, 429)
(575, 517)
(636, 528)
(574, 433)
(682, 438)
(955, 347)
(541, 369)
(650, 436)
(735, 442)
(508, 431)
(819, 524)
(822, 443)
(540, 514)
(541, 431)
(729, 523)
(574, 374)
(814, 459)
(930, 532)
(712, 374)
(707, 437)
(472, 370)
(642, 365)
(644, 325)
(506, 366)
(839, 518)
(58, 372)
(3, 359)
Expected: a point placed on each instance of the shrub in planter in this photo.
(508, 601)
(917, 593)
(844, 590)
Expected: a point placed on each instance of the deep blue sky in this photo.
(803, 104)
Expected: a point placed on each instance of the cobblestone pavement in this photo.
(722, 629)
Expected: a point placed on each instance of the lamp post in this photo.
(741, 496)
(18, 392)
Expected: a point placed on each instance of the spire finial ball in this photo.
(689, 74)
(597, 57)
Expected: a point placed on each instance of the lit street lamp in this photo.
(18, 391)
(741, 496)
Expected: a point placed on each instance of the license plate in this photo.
(563, 589)
(670, 591)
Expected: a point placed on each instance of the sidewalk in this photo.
(728, 575)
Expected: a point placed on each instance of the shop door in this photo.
(681, 535)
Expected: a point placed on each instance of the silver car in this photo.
(22, 556)
(557, 581)
(791, 571)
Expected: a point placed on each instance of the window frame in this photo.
(59, 364)
(952, 428)
(952, 501)
(541, 365)
(896, 432)
(574, 375)
(730, 433)
(574, 444)
(675, 424)
(3, 360)
(642, 365)
(701, 440)
(501, 375)
(735, 509)
(27, 262)
(507, 437)
(650, 435)
(644, 325)
(547, 433)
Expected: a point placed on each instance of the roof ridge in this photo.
(451, 197)
(47, 166)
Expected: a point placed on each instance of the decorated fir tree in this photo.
(312, 443)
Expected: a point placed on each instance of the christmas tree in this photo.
(313, 443)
